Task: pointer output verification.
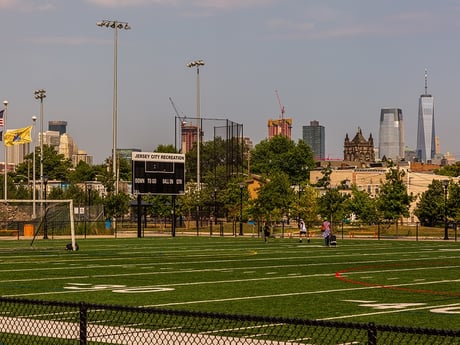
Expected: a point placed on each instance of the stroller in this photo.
(332, 240)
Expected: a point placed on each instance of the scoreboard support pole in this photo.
(173, 221)
(139, 216)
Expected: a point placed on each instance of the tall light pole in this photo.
(197, 64)
(45, 227)
(34, 213)
(41, 94)
(241, 208)
(446, 225)
(115, 25)
(5, 193)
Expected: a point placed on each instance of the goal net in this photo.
(38, 219)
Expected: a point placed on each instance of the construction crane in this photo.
(279, 102)
(182, 119)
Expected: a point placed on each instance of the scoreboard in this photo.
(158, 173)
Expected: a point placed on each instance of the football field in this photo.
(388, 282)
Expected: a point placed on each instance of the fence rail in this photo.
(47, 322)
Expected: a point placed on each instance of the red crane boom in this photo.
(279, 102)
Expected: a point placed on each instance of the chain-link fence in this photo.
(42, 322)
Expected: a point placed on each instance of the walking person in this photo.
(266, 232)
(303, 231)
(326, 232)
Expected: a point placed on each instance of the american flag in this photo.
(1, 117)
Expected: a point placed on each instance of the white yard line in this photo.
(294, 294)
(118, 335)
(390, 311)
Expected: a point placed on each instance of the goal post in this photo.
(39, 214)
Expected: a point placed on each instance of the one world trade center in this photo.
(425, 130)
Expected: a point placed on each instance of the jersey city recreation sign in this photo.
(158, 173)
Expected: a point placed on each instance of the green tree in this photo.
(55, 165)
(166, 149)
(125, 169)
(393, 200)
(452, 170)
(332, 205)
(82, 172)
(453, 201)
(363, 206)
(280, 154)
(325, 180)
(305, 205)
(275, 197)
(116, 205)
(430, 207)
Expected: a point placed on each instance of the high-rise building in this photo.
(67, 146)
(391, 134)
(425, 132)
(314, 136)
(58, 126)
(189, 136)
(16, 153)
(281, 126)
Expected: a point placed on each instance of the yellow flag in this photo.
(18, 136)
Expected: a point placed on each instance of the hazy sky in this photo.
(337, 62)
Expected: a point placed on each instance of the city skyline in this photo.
(331, 61)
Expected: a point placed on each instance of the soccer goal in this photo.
(35, 218)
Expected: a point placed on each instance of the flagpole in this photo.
(5, 193)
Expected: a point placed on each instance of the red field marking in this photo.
(339, 275)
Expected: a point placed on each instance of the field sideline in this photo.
(402, 283)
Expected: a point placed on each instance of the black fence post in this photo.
(83, 323)
(372, 334)
(455, 231)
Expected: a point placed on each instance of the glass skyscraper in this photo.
(314, 136)
(425, 132)
(391, 134)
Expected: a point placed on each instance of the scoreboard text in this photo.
(158, 173)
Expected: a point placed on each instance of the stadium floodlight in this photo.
(34, 213)
(116, 25)
(5, 164)
(197, 64)
(41, 95)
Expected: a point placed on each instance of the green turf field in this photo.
(403, 283)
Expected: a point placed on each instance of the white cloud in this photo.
(26, 5)
(322, 23)
(185, 4)
(63, 40)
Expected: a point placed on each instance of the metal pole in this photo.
(197, 64)
(446, 225)
(41, 149)
(115, 25)
(241, 209)
(5, 191)
(41, 94)
(45, 227)
(34, 210)
(198, 116)
(115, 110)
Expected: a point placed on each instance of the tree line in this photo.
(281, 167)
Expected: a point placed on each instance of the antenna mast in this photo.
(426, 82)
